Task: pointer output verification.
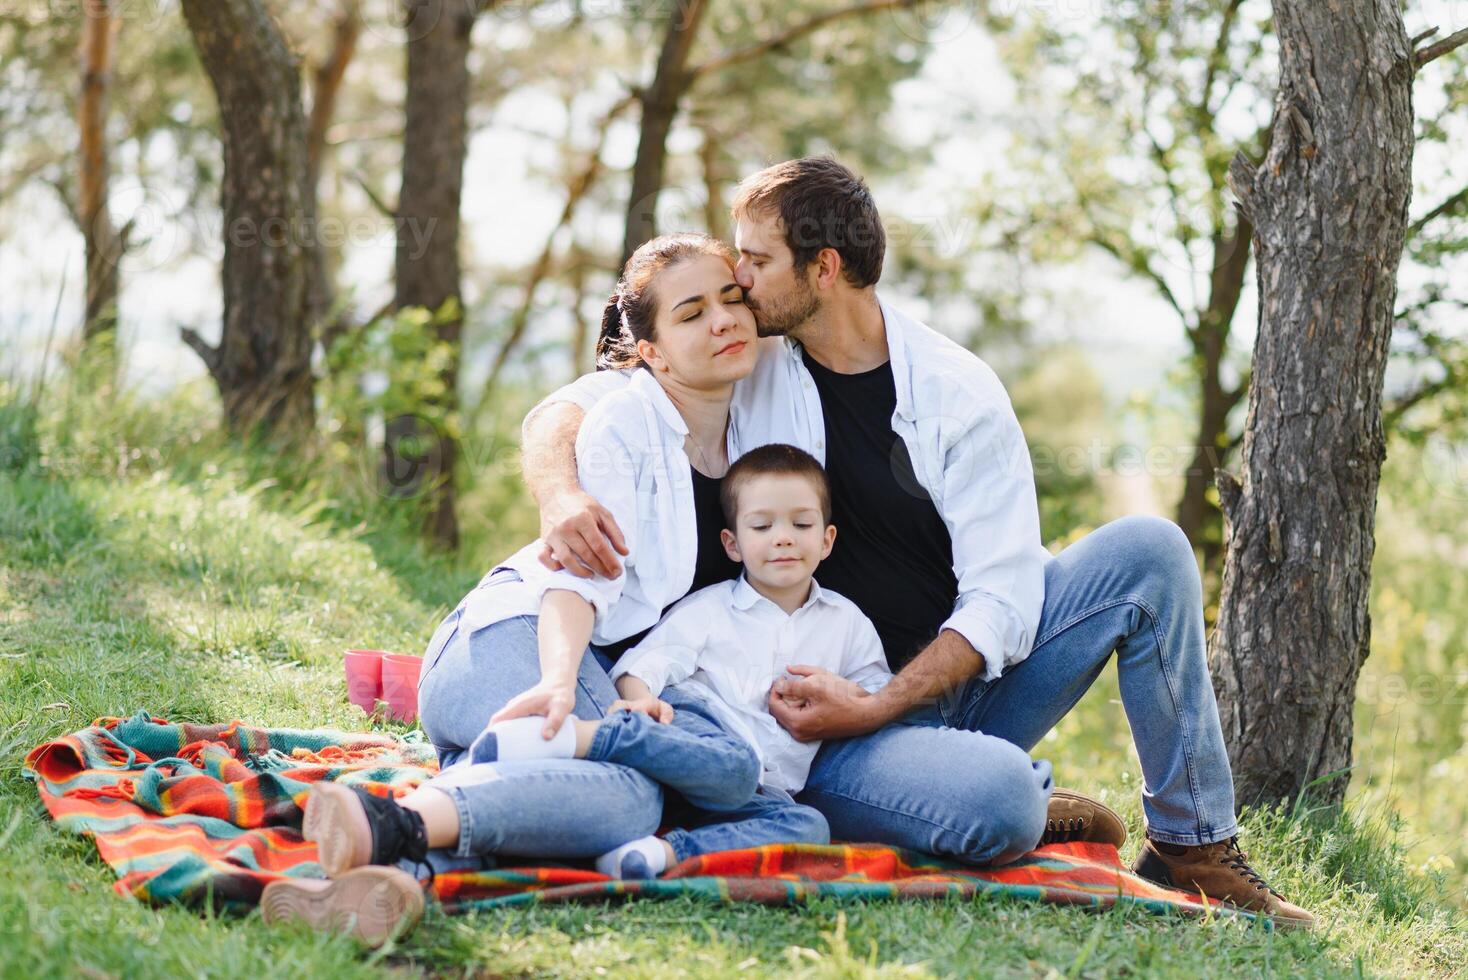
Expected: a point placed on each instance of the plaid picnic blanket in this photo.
(185, 813)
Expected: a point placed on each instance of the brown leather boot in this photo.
(1075, 817)
(1219, 871)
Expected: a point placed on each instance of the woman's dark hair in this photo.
(632, 309)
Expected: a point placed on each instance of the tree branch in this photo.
(1139, 264)
(1434, 51)
(1448, 206)
(209, 355)
(1218, 57)
(760, 48)
(388, 211)
(576, 189)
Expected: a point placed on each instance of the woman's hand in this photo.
(553, 699)
(658, 710)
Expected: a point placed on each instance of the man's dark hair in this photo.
(776, 459)
(820, 204)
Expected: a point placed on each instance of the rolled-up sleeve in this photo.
(993, 518)
(668, 655)
(607, 464)
(584, 392)
(865, 663)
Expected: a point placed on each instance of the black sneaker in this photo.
(351, 827)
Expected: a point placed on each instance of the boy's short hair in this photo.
(775, 459)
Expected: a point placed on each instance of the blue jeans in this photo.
(1131, 588)
(571, 808)
(715, 775)
(567, 808)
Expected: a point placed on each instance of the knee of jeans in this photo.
(738, 780)
(1013, 819)
(1158, 549)
(640, 814)
(807, 825)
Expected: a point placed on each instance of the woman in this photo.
(516, 646)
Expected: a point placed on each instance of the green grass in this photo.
(204, 585)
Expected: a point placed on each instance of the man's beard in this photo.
(778, 320)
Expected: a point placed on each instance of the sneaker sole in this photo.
(335, 822)
(373, 903)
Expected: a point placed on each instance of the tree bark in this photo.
(103, 243)
(262, 364)
(1329, 208)
(659, 109)
(1199, 518)
(435, 143)
(326, 86)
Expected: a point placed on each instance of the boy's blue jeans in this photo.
(716, 774)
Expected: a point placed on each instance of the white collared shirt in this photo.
(968, 453)
(630, 457)
(728, 644)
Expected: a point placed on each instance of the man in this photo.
(993, 640)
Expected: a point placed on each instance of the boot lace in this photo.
(1238, 862)
(1060, 831)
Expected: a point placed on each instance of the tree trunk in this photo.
(1329, 206)
(262, 364)
(434, 148)
(1199, 518)
(103, 244)
(326, 86)
(659, 109)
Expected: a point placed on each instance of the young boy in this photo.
(694, 710)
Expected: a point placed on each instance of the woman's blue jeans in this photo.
(567, 808)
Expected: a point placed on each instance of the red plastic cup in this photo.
(400, 673)
(364, 677)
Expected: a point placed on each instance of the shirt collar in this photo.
(644, 383)
(895, 324)
(745, 596)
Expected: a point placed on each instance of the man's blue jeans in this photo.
(953, 778)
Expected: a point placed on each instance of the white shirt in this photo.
(630, 457)
(728, 644)
(968, 453)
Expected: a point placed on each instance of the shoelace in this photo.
(1236, 860)
(1060, 831)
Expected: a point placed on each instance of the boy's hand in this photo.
(657, 709)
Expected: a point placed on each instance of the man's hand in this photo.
(580, 535)
(657, 709)
(817, 704)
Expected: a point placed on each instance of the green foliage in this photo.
(208, 583)
(1061, 406)
(388, 368)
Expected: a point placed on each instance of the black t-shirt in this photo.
(893, 555)
(712, 563)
